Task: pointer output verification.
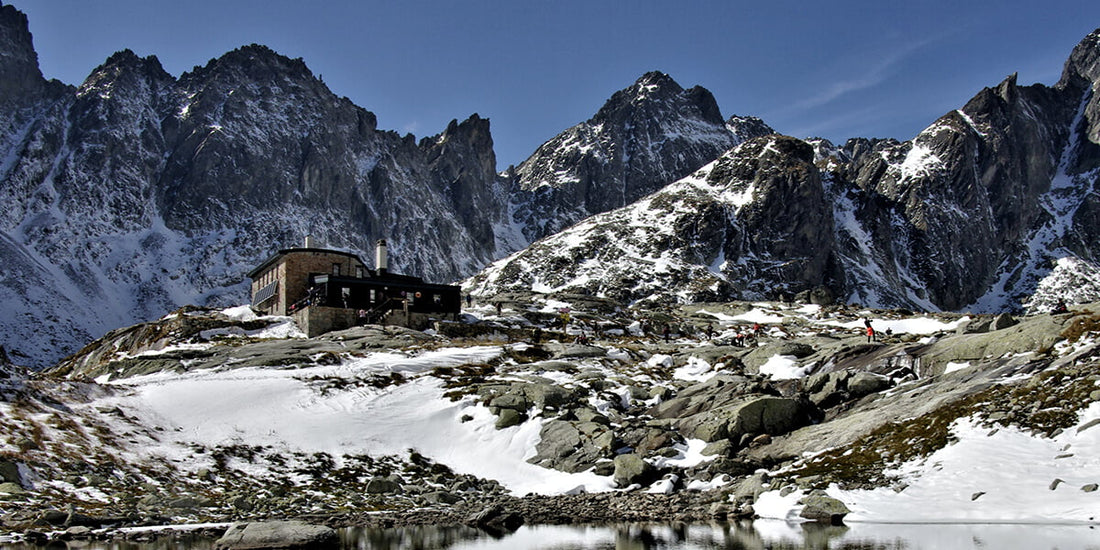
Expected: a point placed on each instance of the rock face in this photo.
(969, 214)
(754, 222)
(644, 137)
(138, 191)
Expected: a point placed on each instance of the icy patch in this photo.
(783, 367)
(240, 313)
(952, 367)
(696, 369)
(691, 455)
(916, 325)
(920, 161)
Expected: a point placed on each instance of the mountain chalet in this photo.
(326, 290)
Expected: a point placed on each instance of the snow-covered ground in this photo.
(1002, 475)
(988, 475)
(281, 408)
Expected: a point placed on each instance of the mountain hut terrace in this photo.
(326, 290)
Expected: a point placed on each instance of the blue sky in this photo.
(835, 69)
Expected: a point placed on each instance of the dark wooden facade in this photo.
(383, 293)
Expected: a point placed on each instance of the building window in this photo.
(336, 269)
(358, 272)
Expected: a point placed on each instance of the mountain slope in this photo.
(748, 224)
(644, 137)
(139, 192)
(970, 214)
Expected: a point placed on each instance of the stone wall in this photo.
(317, 320)
(292, 271)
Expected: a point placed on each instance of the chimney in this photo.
(309, 242)
(381, 261)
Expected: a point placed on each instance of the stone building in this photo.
(329, 290)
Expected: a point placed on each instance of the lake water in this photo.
(775, 535)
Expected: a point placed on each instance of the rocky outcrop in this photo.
(290, 535)
(727, 408)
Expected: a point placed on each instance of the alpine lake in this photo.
(760, 534)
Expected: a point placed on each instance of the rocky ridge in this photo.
(971, 214)
(644, 137)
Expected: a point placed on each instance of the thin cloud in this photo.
(846, 120)
(876, 74)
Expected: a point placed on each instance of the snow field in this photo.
(1001, 475)
(285, 410)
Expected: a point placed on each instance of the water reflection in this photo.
(759, 535)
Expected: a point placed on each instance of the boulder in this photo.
(77, 532)
(574, 351)
(571, 446)
(9, 471)
(866, 383)
(277, 534)
(558, 438)
(815, 383)
(441, 497)
(547, 395)
(722, 447)
(975, 326)
(823, 509)
(631, 469)
(750, 487)
(496, 519)
(10, 488)
(513, 400)
(1002, 321)
(766, 415)
(510, 417)
(380, 485)
(587, 414)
